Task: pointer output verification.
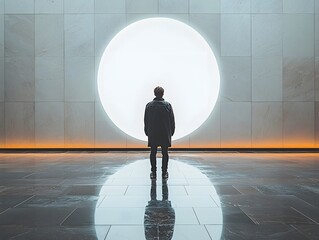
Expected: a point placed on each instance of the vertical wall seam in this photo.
(95, 75)
(64, 102)
(314, 75)
(34, 92)
(282, 74)
(126, 20)
(220, 56)
(251, 75)
(4, 78)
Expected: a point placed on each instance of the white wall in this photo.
(268, 52)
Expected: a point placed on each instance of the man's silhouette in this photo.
(159, 126)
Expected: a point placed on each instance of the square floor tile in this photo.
(126, 233)
(310, 231)
(251, 232)
(11, 201)
(53, 233)
(276, 215)
(222, 215)
(190, 232)
(34, 216)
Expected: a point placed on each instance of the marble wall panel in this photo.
(79, 79)
(267, 79)
(19, 6)
(298, 79)
(173, 6)
(79, 124)
(317, 124)
(208, 25)
(267, 35)
(317, 35)
(96, 71)
(267, 124)
(19, 79)
(19, 124)
(49, 124)
(142, 6)
(298, 6)
(269, 6)
(298, 124)
(1, 35)
(207, 135)
(49, 40)
(49, 79)
(235, 35)
(235, 79)
(136, 143)
(2, 80)
(79, 6)
(110, 6)
(79, 35)
(48, 6)
(2, 132)
(298, 35)
(107, 134)
(106, 27)
(317, 79)
(204, 6)
(133, 17)
(235, 124)
(235, 6)
(181, 143)
(1, 6)
(182, 17)
(19, 35)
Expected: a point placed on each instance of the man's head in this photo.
(159, 92)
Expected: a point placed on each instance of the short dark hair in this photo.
(159, 92)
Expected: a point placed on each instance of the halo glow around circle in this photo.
(158, 52)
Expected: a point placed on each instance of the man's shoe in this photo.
(153, 175)
(165, 175)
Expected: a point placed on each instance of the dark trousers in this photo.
(164, 158)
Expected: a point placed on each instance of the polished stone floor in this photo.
(207, 196)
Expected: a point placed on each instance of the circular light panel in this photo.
(158, 52)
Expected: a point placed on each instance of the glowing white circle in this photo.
(158, 52)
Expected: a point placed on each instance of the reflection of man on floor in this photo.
(159, 126)
(159, 217)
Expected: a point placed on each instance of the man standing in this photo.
(159, 126)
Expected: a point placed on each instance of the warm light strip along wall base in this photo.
(261, 150)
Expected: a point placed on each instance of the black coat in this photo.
(159, 123)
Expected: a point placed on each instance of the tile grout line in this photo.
(205, 226)
(95, 75)
(28, 175)
(305, 215)
(4, 76)
(293, 227)
(251, 76)
(64, 102)
(254, 221)
(107, 232)
(34, 82)
(23, 201)
(68, 216)
(125, 190)
(282, 74)
(198, 222)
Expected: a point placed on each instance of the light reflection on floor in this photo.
(67, 196)
(127, 203)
